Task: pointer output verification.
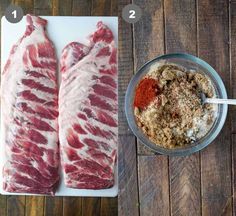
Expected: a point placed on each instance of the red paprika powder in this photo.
(146, 92)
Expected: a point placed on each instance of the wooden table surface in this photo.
(60, 206)
(201, 184)
(205, 182)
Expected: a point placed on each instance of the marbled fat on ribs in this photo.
(30, 112)
(88, 111)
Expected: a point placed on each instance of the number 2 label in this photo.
(132, 14)
(14, 14)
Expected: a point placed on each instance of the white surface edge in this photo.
(11, 36)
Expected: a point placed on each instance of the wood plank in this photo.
(233, 59)
(185, 187)
(109, 206)
(233, 86)
(72, 206)
(81, 8)
(53, 206)
(43, 7)
(153, 185)
(65, 7)
(42, 12)
(148, 41)
(180, 26)
(125, 66)
(55, 7)
(128, 185)
(213, 34)
(3, 205)
(114, 7)
(91, 206)
(101, 8)
(181, 36)
(148, 32)
(43, 4)
(4, 4)
(15, 205)
(144, 150)
(233, 173)
(26, 5)
(34, 206)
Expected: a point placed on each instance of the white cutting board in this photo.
(61, 30)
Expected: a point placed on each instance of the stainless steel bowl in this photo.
(189, 62)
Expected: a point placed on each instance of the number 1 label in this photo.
(14, 14)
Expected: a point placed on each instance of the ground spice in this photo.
(146, 92)
(177, 117)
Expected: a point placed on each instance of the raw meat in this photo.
(30, 113)
(88, 111)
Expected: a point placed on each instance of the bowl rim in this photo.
(176, 151)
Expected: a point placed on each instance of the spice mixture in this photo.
(168, 108)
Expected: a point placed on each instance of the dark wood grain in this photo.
(153, 185)
(43, 7)
(101, 8)
(34, 206)
(233, 174)
(213, 34)
(128, 199)
(180, 26)
(72, 206)
(233, 61)
(233, 49)
(114, 7)
(65, 7)
(91, 206)
(125, 66)
(181, 36)
(128, 186)
(109, 207)
(148, 40)
(3, 205)
(26, 5)
(185, 185)
(15, 205)
(233, 119)
(148, 32)
(81, 8)
(233, 87)
(53, 206)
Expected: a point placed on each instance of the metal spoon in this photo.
(204, 100)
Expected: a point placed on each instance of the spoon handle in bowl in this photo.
(221, 101)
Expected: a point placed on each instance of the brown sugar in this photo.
(176, 116)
